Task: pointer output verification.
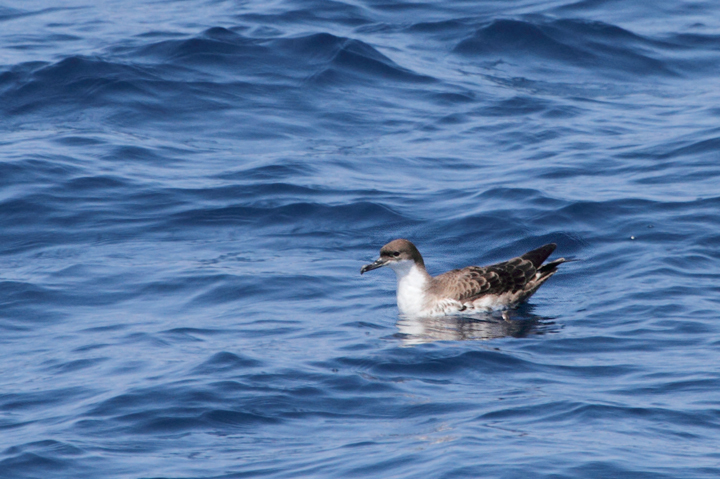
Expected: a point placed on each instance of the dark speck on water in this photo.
(188, 190)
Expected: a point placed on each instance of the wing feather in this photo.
(511, 281)
(469, 283)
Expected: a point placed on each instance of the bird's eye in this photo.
(396, 253)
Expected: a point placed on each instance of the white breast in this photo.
(412, 287)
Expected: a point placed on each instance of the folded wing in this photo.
(512, 276)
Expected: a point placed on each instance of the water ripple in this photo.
(189, 189)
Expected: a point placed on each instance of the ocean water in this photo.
(188, 190)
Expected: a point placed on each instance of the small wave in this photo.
(517, 37)
(344, 60)
(74, 81)
(602, 47)
(409, 366)
(213, 46)
(301, 215)
(224, 361)
(274, 172)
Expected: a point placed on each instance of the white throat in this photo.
(412, 285)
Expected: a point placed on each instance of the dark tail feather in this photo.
(537, 256)
(551, 267)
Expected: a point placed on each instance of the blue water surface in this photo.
(188, 190)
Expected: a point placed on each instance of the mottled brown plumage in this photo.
(513, 276)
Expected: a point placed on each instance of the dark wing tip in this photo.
(537, 256)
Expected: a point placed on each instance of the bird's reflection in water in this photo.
(517, 323)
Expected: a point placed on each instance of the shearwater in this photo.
(467, 290)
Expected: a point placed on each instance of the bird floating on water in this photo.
(468, 290)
